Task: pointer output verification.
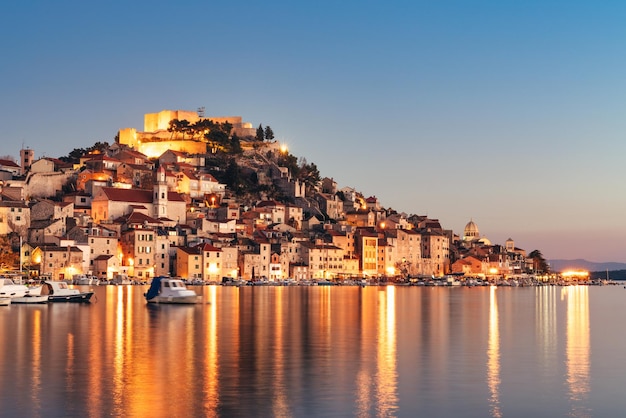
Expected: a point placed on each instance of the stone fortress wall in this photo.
(155, 139)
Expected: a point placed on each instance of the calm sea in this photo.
(329, 351)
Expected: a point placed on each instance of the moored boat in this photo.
(8, 288)
(85, 280)
(5, 301)
(28, 298)
(19, 293)
(58, 291)
(170, 290)
(121, 279)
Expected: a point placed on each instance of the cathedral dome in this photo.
(471, 232)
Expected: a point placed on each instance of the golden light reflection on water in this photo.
(379, 386)
(123, 352)
(69, 364)
(280, 406)
(211, 369)
(373, 351)
(387, 373)
(36, 362)
(546, 320)
(577, 349)
(95, 378)
(493, 355)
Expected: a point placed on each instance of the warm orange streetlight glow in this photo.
(575, 274)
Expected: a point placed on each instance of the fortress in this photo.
(156, 139)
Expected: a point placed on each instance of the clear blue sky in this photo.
(509, 113)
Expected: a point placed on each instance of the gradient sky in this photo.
(509, 113)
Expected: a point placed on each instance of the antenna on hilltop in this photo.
(201, 111)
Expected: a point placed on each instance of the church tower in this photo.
(26, 159)
(160, 194)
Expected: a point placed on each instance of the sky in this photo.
(507, 113)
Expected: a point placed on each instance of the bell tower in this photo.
(160, 194)
(26, 159)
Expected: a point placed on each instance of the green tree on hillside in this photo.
(290, 162)
(260, 134)
(75, 155)
(269, 134)
(232, 176)
(308, 174)
(235, 145)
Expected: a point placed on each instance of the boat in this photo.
(5, 301)
(58, 291)
(19, 293)
(85, 280)
(8, 288)
(121, 279)
(170, 290)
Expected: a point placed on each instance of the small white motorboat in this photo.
(121, 279)
(85, 280)
(8, 288)
(170, 290)
(58, 291)
(19, 293)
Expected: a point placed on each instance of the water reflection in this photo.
(546, 323)
(577, 348)
(35, 385)
(493, 355)
(318, 351)
(211, 370)
(387, 374)
(377, 387)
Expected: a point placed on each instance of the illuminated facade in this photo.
(60, 263)
(156, 140)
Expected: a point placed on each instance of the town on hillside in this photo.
(213, 199)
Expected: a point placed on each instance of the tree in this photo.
(180, 126)
(269, 134)
(539, 263)
(309, 175)
(235, 145)
(232, 176)
(260, 135)
(290, 162)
